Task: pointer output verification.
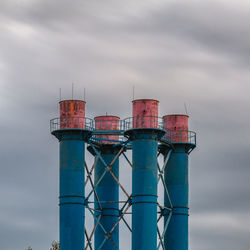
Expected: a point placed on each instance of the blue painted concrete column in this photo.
(144, 187)
(176, 179)
(108, 194)
(72, 193)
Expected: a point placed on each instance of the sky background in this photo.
(197, 52)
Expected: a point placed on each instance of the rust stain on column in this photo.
(108, 122)
(72, 114)
(178, 125)
(145, 113)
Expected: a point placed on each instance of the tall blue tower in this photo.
(107, 200)
(176, 180)
(144, 135)
(107, 188)
(72, 134)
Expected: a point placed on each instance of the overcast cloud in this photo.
(197, 52)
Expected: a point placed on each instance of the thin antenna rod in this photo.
(185, 106)
(133, 92)
(72, 90)
(84, 94)
(60, 94)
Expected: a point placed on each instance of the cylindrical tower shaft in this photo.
(107, 200)
(72, 193)
(72, 137)
(144, 137)
(108, 204)
(176, 179)
(144, 192)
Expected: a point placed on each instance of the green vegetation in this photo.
(54, 246)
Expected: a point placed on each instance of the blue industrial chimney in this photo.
(72, 135)
(107, 188)
(176, 179)
(144, 135)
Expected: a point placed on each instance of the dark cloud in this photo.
(217, 26)
(195, 52)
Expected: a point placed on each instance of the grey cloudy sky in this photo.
(197, 52)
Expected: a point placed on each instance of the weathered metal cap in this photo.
(108, 122)
(72, 114)
(145, 113)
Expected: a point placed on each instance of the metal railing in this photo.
(143, 122)
(71, 123)
(108, 139)
(115, 125)
(180, 136)
(113, 130)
